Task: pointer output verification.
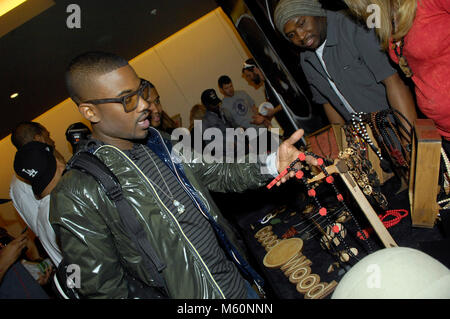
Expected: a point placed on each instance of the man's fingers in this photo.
(295, 137)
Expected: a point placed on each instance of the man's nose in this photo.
(143, 105)
(301, 34)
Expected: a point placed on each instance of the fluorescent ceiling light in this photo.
(8, 5)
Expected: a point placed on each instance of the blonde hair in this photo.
(198, 112)
(403, 10)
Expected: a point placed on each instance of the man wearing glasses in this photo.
(169, 198)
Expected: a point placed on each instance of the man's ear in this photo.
(90, 112)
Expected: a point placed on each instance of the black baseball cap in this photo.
(209, 98)
(36, 163)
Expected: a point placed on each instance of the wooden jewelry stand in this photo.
(326, 140)
(424, 173)
(341, 168)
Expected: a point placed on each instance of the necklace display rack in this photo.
(340, 168)
(330, 220)
(393, 137)
(330, 223)
(361, 169)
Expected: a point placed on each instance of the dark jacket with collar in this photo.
(90, 233)
(355, 63)
(213, 119)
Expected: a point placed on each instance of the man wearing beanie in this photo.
(36, 164)
(342, 62)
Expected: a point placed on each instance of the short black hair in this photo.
(24, 132)
(224, 79)
(84, 67)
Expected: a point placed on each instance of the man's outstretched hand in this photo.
(287, 153)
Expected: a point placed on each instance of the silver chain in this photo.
(176, 203)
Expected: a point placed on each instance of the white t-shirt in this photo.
(46, 233)
(25, 202)
(35, 214)
(319, 53)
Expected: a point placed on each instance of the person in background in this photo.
(21, 193)
(15, 281)
(156, 116)
(214, 115)
(76, 133)
(238, 107)
(252, 73)
(342, 62)
(159, 119)
(35, 163)
(214, 118)
(197, 113)
(416, 34)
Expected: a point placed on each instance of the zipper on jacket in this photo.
(184, 187)
(200, 209)
(170, 213)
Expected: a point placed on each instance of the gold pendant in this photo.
(405, 67)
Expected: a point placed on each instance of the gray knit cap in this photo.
(288, 9)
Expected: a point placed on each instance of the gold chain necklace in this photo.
(180, 207)
(402, 62)
(397, 47)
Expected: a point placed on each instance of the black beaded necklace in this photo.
(360, 128)
(390, 136)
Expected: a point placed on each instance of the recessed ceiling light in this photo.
(14, 95)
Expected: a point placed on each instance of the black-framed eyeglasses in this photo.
(131, 100)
